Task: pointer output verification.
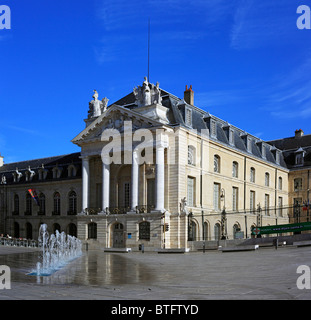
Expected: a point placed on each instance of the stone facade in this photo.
(154, 170)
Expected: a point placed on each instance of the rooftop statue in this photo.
(97, 107)
(147, 94)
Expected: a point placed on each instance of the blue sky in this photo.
(247, 61)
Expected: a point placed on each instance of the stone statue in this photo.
(97, 107)
(147, 94)
(183, 205)
(3, 179)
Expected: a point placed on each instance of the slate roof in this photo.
(293, 145)
(62, 161)
(200, 120)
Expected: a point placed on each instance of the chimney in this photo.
(1, 161)
(299, 133)
(189, 95)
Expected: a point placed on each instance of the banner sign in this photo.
(282, 228)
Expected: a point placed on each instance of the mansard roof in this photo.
(201, 120)
(291, 146)
(62, 161)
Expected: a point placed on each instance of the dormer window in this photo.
(42, 173)
(213, 128)
(57, 172)
(72, 171)
(188, 117)
(299, 157)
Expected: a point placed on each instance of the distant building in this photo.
(178, 175)
(297, 154)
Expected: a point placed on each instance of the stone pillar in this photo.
(160, 178)
(85, 182)
(135, 181)
(106, 185)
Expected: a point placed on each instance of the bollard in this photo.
(86, 246)
(203, 247)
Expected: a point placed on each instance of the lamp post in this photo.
(223, 216)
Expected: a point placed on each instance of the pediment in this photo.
(114, 118)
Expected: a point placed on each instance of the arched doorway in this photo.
(118, 238)
(72, 229)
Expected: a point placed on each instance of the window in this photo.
(191, 155)
(16, 205)
(267, 179)
(252, 174)
(252, 200)
(280, 204)
(144, 231)
(213, 128)
(235, 169)
(299, 158)
(298, 184)
(56, 200)
(72, 203)
(92, 230)
(216, 163)
(280, 183)
(28, 204)
(216, 197)
(267, 204)
(72, 171)
(127, 195)
(235, 197)
(217, 231)
(190, 192)
(41, 204)
(192, 231)
(188, 117)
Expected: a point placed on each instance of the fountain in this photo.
(57, 250)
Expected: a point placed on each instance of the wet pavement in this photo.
(98, 275)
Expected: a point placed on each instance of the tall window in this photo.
(190, 192)
(28, 204)
(16, 204)
(42, 204)
(252, 174)
(92, 230)
(56, 200)
(280, 183)
(280, 203)
(267, 204)
(235, 168)
(72, 205)
(267, 179)
(216, 197)
(216, 163)
(235, 197)
(252, 201)
(188, 117)
(127, 195)
(191, 155)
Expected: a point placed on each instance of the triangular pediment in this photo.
(114, 118)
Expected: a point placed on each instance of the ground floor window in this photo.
(144, 231)
(92, 230)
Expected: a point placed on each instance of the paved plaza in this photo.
(97, 275)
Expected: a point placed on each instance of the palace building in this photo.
(153, 170)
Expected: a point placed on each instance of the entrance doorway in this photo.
(118, 238)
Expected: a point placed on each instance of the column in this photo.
(135, 181)
(106, 185)
(85, 182)
(160, 178)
